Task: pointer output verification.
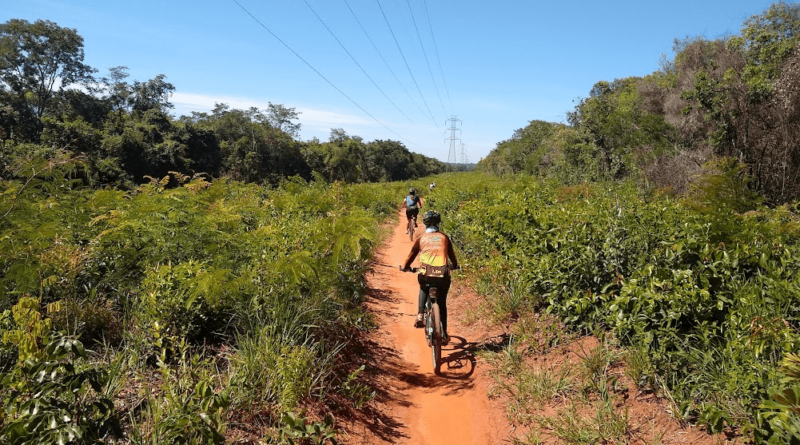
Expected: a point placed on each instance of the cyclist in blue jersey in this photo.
(412, 205)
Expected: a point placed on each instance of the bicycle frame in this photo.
(433, 324)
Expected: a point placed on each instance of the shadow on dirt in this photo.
(391, 377)
(379, 363)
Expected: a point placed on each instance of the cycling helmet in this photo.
(431, 218)
(412, 191)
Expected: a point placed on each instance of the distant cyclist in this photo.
(432, 185)
(412, 205)
(434, 249)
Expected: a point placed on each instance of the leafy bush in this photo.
(298, 430)
(780, 418)
(57, 398)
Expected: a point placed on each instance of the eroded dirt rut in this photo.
(415, 405)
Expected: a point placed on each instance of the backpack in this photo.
(411, 202)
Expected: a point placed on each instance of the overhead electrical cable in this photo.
(416, 28)
(438, 59)
(384, 60)
(358, 64)
(406, 62)
(320, 74)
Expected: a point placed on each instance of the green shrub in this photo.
(780, 415)
(184, 407)
(57, 398)
(93, 320)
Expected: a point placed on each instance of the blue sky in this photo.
(503, 62)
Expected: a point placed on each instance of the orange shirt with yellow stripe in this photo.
(434, 249)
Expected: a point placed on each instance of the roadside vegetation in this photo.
(702, 290)
(186, 314)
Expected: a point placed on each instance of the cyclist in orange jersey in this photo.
(435, 250)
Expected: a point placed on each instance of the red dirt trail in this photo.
(415, 405)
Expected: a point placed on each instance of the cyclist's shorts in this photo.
(412, 213)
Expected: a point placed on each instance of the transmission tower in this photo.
(464, 160)
(452, 156)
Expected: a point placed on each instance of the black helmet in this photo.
(431, 218)
(412, 191)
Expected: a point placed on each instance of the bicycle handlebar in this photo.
(416, 269)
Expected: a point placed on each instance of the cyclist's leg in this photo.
(443, 284)
(423, 293)
(423, 296)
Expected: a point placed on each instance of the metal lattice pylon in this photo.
(452, 158)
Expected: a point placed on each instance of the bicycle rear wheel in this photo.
(436, 341)
(411, 229)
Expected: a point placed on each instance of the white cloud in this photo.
(311, 117)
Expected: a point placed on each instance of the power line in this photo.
(416, 28)
(358, 64)
(320, 74)
(436, 47)
(406, 62)
(382, 58)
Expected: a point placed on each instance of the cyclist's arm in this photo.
(405, 204)
(412, 255)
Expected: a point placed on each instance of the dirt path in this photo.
(415, 406)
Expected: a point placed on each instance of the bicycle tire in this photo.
(436, 341)
(411, 229)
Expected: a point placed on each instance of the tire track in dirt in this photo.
(417, 406)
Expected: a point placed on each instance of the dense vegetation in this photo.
(51, 102)
(706, 298)
(203, 303)
(732, 97)
(184, 280)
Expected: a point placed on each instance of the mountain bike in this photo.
(433, 324)
(411, 229)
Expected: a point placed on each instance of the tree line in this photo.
(735, 97)
(122, 131)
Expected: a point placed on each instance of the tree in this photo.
(253, 149)
(151, 95)
(117, 90)
(281, 118)
(39, 59)
(767, 40)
